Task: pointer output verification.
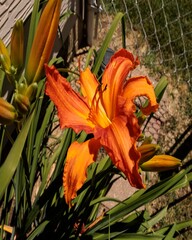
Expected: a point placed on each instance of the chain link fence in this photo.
(161, 32)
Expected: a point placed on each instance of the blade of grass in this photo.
(153, 220)
(50, 162)
(88, 58)
(178, 227)
(46, 197)
(170, 234)
(130, 236)
(39, 141)
(38, 230)
(2, 75)
(67, 140)
(34, 125)
(183, 182)
(159, 92)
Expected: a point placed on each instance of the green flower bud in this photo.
(22, 103)
(31, 91)
(5, 60)
(17, 46)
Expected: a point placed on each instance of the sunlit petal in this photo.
(89, 84)
(97, 112)
(73, 110)
(140, 86)
(119, 141)
(113, 78)
(79, 157)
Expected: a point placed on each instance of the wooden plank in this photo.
(10, 11)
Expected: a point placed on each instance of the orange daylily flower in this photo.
(107, 111)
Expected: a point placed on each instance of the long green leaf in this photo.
(130, 236)
(2, 75)
(159, 92)
(106, 42)
(9, 166)
(153, 220)
(170, 234)
(160, 88)
(133, 202)
(183, 182)
(38, 142)
(33, 24)
(178, 227)
(38, 230)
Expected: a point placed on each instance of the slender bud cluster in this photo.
(12, 62)
(23, 97)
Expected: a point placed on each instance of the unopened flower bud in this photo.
(147, 152)
(8, 113)
(31, 91)
(17, 46)
(21, 88)
(4, 57)
(22, 103)
(43, 41)
(160, 163)
(7, 228)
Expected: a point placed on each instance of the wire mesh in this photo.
(160, 33)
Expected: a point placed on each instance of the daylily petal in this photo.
(91, 90)
(73, 110)
(140, 86)
(79, 157)
(119, 140)
(114, 75)
(97, 113)
(89, 84)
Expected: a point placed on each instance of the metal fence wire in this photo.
(161, 32)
